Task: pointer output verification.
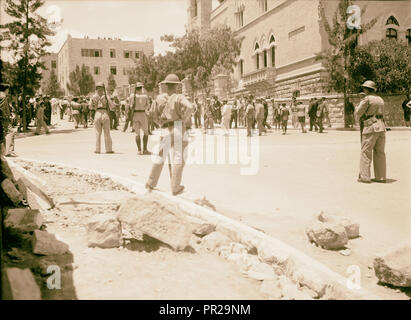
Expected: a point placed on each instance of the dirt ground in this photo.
(121, 273)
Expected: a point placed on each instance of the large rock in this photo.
(32, 185)
(24, 220)
(19, 284)
(215, 240)
(394, 267)
(157, 219)
(327, 235)
(352, 229)
(11, 192)
(5, 169)
(22, 188)
(36, 202)
(272, 289)
(261, 271)
(44, 243)
(104, 232)
(204, 229)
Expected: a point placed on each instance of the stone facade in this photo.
(281, 38)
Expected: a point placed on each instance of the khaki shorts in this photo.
(140, 122)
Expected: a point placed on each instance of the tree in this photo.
(197, 56)
(27, 39)
(53, 88)
(343, 41)
(111, 84)
(386, 62)
(81, 81)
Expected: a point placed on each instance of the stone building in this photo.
(50, 63)
(281, 38)
(102, 56)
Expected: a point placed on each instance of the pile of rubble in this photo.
(28, 249)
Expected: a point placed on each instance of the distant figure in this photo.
(407, 110)
(312, 113)
(285, 113)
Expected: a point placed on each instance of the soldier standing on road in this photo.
(371, 112)
(197, 113)
(63, 107)
(407, 110)
(75, 107)
(40, 123)
(208, 117)
(320, 114)
(259, 115)
(312, 113)
(84, 111)
(250, 116)
(171, 111)
(285, 113)
(301, 115)
(139, 105)
(47, 110)
(102, 105)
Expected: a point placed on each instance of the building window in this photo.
(392, 20)
(408, 36)
(98, 53)
(96, 70)
(265, 59)
(137, 55)
(241, 67)
(112, 53)
(126, 54)
(113, 70)
(257, 55)
(273, 56)
(391, 33)
(265, 6)
(241, 18)
(53, 64)
(195, 13)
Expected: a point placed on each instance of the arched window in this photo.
(265, 59)
(257, 52)
(392, 20)
(391, 34)
(272, 48)
(241, 63)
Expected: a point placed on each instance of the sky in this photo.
(126, 19)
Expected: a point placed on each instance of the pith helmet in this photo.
(370, 85)
(139, 85)
(172, 78)
(99, 85)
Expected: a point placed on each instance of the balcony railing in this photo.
(263, 78)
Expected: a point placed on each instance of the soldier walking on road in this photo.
(250, 116)
(320, 114)
(285, 113)
(102, 105)
(139, 105)
(259, 115)
(171, 111)
(301, 115)
(312, 113)
(371, 112)
(40, 122)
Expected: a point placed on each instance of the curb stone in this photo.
(295, 264)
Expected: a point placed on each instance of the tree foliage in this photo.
(26, 39)
(197, 56)
(342, 46)
(386, 62)
(53, 88)
(81, 81)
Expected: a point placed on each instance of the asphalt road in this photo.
(298, 175)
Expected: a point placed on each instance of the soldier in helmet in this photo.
(139, 105)
(171, 110)
(371, 112)
(102, 105)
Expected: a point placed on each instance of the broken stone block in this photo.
(24, 220)
(11, 192)
(394, 267)
(352, 229)
(44, 243)
(5, 169)
(262, 271)
(327, 235)
(19, 284)
(104, 232)
(36, 202)
(272, 289)
(215, 240)
(32, 186)
(204, 229)
(22, 188)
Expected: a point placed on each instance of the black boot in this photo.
(138, 141)
(145, 142)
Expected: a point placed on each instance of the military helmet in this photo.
(99, 85)
(139, 85)
(172, 78)
(370, 85)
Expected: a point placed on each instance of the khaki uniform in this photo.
(259, 110)
(373, 137)
(40, 119)
(250, 118)
(140, 119)
(101, 121)
(171, 112)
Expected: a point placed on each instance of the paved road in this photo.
(299, 175)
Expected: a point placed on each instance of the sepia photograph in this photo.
(205, 157)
